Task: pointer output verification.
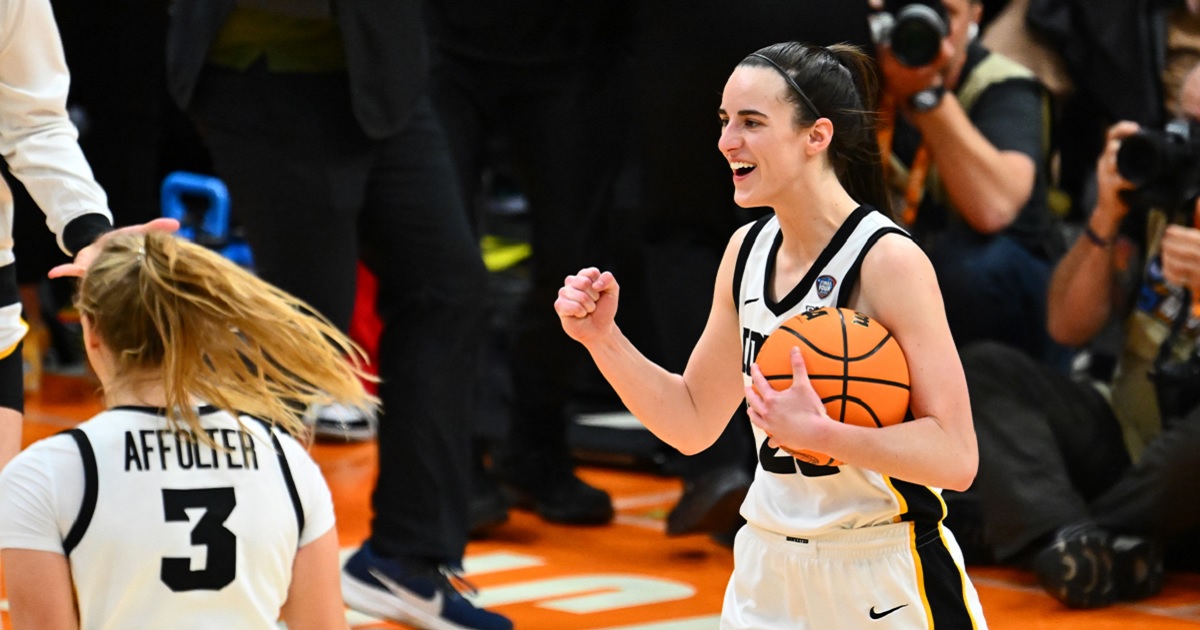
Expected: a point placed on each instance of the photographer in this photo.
(1091, 480)
(968, 163)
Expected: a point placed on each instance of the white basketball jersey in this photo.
(789, 496)
(164, 531)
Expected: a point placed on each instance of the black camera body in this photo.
(1163, 166)
(913, 28)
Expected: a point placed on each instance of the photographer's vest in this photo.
(1157, 305)
(992, 70)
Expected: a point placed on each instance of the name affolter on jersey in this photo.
(170, 449)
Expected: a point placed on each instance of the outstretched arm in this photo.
(687, 411)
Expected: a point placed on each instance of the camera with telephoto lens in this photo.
(1163, 166)
(913, 29)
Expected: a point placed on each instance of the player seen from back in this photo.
(175, 507)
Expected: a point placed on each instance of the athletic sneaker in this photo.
(1076, 568)
(423, 596)
(711, 503)
(1137, 567)
(559, 497)
(340, 423)
(1087, 567)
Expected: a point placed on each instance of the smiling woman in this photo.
(797, 132)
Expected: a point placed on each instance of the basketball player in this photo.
(176, 507)
(857, 545)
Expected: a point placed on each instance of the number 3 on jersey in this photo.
(220, 544)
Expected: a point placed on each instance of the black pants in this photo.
(1051, 454)
(995, 290)
(565, 146)
(315, 195)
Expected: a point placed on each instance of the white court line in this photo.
(707, 622)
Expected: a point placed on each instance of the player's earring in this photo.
(972, 31)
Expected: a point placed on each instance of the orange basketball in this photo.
(854, 363)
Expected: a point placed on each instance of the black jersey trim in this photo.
(743, 255)
(12, 379)
(10, 289)
(852, 274)
(91, 490)
(161, 411)
(288, 480)
(798, 292)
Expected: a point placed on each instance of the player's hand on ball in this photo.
(790, 416)
(587, 304)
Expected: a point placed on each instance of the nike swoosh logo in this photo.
(881, 615)
(431, 606)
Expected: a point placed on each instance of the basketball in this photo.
(853, 362)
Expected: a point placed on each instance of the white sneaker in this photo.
(340, 422)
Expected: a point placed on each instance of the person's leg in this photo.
(464, 99)
(417, 241)
(995, 290)
(568, 163)
(1147, 499)
(1148, 512)
(1047, 444)
(296, 195)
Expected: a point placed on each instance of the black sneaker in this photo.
(711, 503)
(1076, 568)
(1137, 567)
(488, 506)
(561, 498)
(728, 536)
(410, 593)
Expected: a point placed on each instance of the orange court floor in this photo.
(627, 575)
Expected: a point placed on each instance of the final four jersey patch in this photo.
(825, 286)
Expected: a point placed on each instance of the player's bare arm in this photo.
(687, 411)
